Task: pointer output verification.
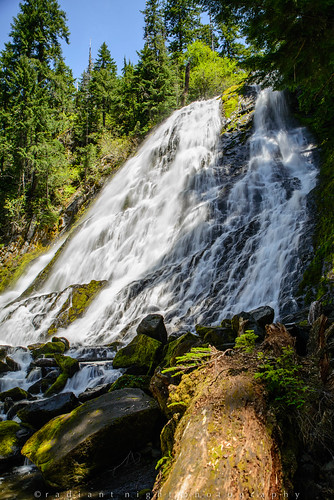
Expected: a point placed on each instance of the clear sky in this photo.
(119, 23)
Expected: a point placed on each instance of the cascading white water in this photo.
(158, 235)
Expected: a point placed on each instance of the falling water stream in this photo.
(165, 240)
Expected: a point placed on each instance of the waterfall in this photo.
(165, 240)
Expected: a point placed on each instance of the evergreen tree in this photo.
(34, 87)
(182, 20)
(155, 85)
(103, 83)
(126, 102)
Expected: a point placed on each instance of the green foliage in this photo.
(210, 74)
(282, 378)
(246, 341)
(189, 361)
(182, 21)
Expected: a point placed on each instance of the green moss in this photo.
(142, 352)
(58, 385)
(178, 347)
(16, 394)
(13, 268)
(8, 438)
(79, 299)
(132, 381)
(47, 349)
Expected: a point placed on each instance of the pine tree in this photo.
(35, 84)
(182, 20)
(156, 89)
(103, 83)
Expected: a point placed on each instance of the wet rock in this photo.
(153, 326)
(97, 353)
(42, 385)
(94, 392)
(16, 394)
(80, 297)
(102, 431)
(12, 365)
(12, 412)
(9, 443)
(47, 349)
(68, 366)
(142, 353)
(39, 413)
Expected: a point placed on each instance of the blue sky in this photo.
(119, 23)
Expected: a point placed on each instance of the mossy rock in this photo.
(16, 394)
(153, 326)
(9, 442)
(62, 339)
(96, 435)
(142, 353)
(58, 385)
(67, 364)
(47, 349)
(80, 297)
(179, 347)
(218, 336)
(132, 381)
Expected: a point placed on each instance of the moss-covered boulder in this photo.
(131, 381)
(80, 297)
(142, 353)
(9, 442)
(38, 413)
(69, 366)
(47, 349)
(16, 394)
(62, 339)
(153, 326)
(220, 337)
(97, 434)
(179, 347)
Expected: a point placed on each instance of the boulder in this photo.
(12, 412)
(47, 349)
(62, 339)
(153, 326)
(263, 315)
(12, 365)
(220, 337)
(131, 381)
(142, 353)
(94, 392)
(39, 413)
(16, 394)
(179, 347)
(98, 434)
(9, 442)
